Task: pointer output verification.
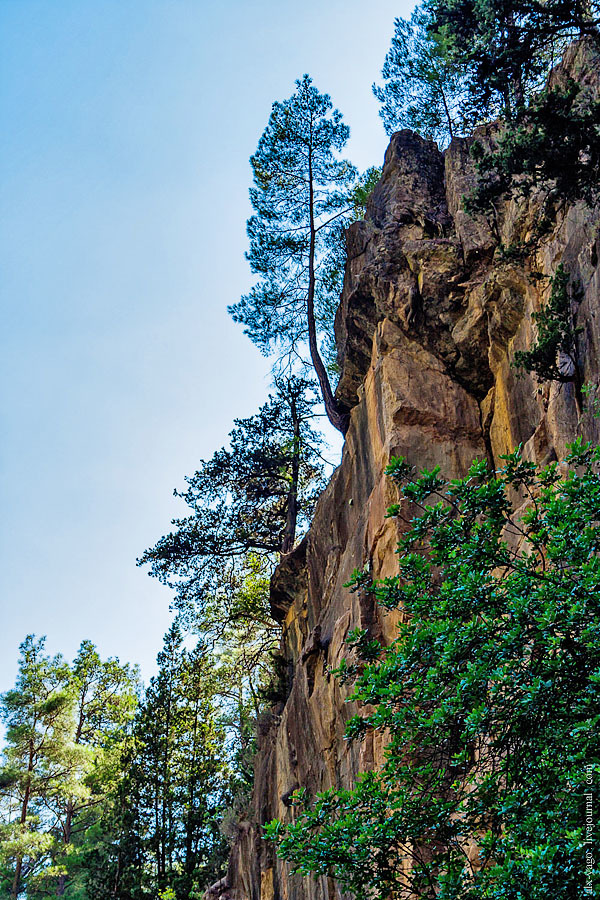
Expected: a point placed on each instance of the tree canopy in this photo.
(175, 787)
(506, 49)
(458, 63)
(424, 89)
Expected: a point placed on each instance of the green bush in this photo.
(490, 696)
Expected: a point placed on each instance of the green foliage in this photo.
(37, 714)
(553, 142)
(65, 728)
(506, 49)
(362, 190)
(161, 833)
(303, 130)
(247, 502)
(423, 88)
(460, 63)
(241, 498)
(591, 400)
(237, 625)
(553, 357)
(105, 697)
(490, 696)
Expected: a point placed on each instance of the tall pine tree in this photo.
(300, 194)
(177, 784)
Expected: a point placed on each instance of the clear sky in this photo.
(127, 127)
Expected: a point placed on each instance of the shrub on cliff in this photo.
(553, 143)
(490, 696)
(553, 356)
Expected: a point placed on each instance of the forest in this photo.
(489, 697)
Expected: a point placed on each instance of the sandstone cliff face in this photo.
(430, 318)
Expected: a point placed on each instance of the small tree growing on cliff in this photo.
(553, 356)
(250, 497)
(423, 89)
(300, 194)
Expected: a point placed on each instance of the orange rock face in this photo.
(429, 320)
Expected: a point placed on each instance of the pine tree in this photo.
(252, 496)
(104, 702)
(300, 194)
(507, 48)
(177, 781)
(38, 717)
(65, 728)
(552, 144)
(423, 89)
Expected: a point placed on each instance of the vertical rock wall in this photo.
(430, 318)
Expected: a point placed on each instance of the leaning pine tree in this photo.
(250, 497)
(301, 195)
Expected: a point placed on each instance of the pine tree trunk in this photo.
(517, 74)
(165, 812)
(16, 886)
(446, 110)
(289, 534)
(62, 879)
(338, 419)
(190, 857)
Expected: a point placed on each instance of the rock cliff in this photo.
(430, 317)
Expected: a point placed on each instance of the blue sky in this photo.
(124, 165)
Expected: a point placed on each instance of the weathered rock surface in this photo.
(430, 318)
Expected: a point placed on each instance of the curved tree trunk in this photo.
(338, 418)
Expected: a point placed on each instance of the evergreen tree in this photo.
(104, 702)
(300, 194)
(177, 781)
(459, 63)
(553, 356)
(249, 497)
(553, 143)
(38, 718)
(114, 865)
(65, 730)
(424, 89)
(237, 626)
(506, 47)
